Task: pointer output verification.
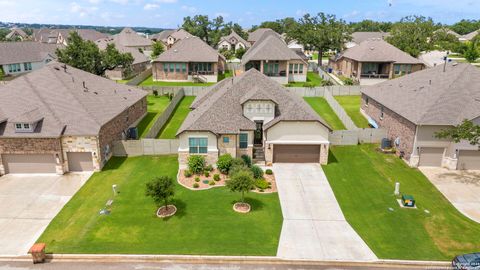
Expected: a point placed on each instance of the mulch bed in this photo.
(242, 207)
(188, 182)
(273, 184)
(163, 212)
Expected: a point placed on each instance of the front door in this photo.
(258, 135)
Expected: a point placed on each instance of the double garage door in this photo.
(468, 160)
(45, 163)
(296, 153)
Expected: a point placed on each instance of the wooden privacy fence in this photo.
(145, 147)
(140, 77)
(163, 119)
(336, 90)
(354, 137)
(162, 90)
(338, 109)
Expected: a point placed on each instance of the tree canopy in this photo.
(85, 55)
(467, 130)
(161, 189)
(371, 26)
(241, 181)
(157, 49)
(464, 27)
(412, 34)
(210, 31)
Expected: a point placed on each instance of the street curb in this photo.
(192, 259)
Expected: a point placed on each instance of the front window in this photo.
(172, 67)
(27, 66)
(165, 67)
(178, 67)
(198, 145)
(243, 140)
(226, 139)
(184, 67)
(23, 127)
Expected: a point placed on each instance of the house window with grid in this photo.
(178, 66)
(27, 66)
(290, 69)
(172, 67)
(243, 140)
(300, 69)
(198, 145)
(165, 67)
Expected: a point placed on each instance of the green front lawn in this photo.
(170, 129)
(155, 107)
(313, 79)
(149, 82)
(226, 74)
(351, 104)
(205, 222)
(122, 81)
(321, 106)
(363, 181)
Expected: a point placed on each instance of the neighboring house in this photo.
(170, 37)
(447, 31)
(374, 59)
(259, 33)
(190, 59)
(16, 34)
(469, 36)
(434, 58)
(20, 57)
(60, 36)
(359, 37)
(141, 60)
(60, 119)
(255, 116)
(294, 45)
(272, 57)
(414, 107)
(233, 42)
(131, 39)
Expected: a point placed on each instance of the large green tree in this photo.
(85, 55)
(472, 52)
(210, 31)
(161, 189)
(371, 26)
(444, 40)
(321, 32)
(467, 130)
(412, 34)
(157, 49)
(464, 27)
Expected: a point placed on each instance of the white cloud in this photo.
(189, 9)
(82, 11)
(121, 2)
(300, 12)
(94, 2)
(166, 1)
(150, 6)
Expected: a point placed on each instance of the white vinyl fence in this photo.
(354, 137)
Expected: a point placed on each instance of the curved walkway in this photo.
(314, 227)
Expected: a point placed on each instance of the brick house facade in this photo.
(396, 125)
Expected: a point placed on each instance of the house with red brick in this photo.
(415, 107)
(59, 119)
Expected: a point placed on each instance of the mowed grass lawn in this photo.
(313, 78)
(155, 107)
(351, 104)
(149, 82)
(363, 181)
(205, 222)
(171, 127)
(321, 106)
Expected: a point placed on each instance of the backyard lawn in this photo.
(149, 82)
(320, 105)
(312, 78)
(171, 127)
(351, 104)
(205, 222)
(363, 181)
(226, 74)
(155, 107)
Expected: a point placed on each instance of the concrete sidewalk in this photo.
(314, 227)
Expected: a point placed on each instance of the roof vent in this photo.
(64, 68)
(175, 50)
(372, 48)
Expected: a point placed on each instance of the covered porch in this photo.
(276, 70)
(375, 70)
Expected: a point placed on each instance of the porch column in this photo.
(359, 70)
(390, 72)
(288, 71)
(261, 66)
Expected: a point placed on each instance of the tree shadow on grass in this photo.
(181, 209)
(114, 163)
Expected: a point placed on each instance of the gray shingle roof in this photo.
(138, 57)
(129, 38)
(471, 35)
(431, 96)
(43, 34)
(257, 34)
(190, 49)
(359, 37)
(17, 31)
(162, 36)
(220, 110)
(378, 50)
(270, 47)
(59, 98)
(237, 37)
(27, 51)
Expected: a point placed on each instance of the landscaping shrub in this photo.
(224, 163)
(268, 171)
(161, 189)
(327, 83)
(209, 168)
(262, 184)
(247, 160)
(197, 179)
(196, 164)
(207, 174)
(348, 81)
(211, 183)
(257, 172)
(196, 185)
(155, 93)
(216, 177)
(187, 173)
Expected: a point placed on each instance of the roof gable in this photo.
(270, 47)
(190, 49)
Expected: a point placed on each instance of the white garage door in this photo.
(80, 161)
(29, 163)
(468, 160)
(431, 157)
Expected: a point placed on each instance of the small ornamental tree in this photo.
(161, 189)
(467, 130)
(157, 49)
(242, 181)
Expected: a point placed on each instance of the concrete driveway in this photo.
(461, 188)
(314, 227)
(28, 204)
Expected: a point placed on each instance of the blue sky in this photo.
(169, 13)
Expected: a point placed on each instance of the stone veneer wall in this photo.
(31, 146)
(396, 125)
(227, 148)
(211, 158)
(114, 130)
(81, 144)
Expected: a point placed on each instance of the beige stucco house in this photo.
(414, 107)
(253, 115)
(60, 119)
(233, 42)
(271, 56)
(60, 36)
(189, 60)
(170, 37)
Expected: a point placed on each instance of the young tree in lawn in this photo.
(467, 130)
(412, 35)
(321, 32)
(242, 181)
(161, 189)
(157, 49)
(472, 52)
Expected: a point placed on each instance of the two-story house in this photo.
(21, 57)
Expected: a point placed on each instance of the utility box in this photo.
(38, 252)
(408, 201)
